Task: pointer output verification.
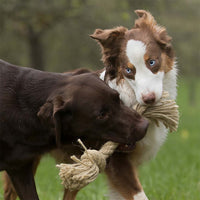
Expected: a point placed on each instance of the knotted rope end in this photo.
(86, 169)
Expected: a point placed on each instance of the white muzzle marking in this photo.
(145, 81)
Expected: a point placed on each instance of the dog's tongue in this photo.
(126, 147)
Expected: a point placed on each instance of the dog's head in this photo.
(87, 108)
(141, 55)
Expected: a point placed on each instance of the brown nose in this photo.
(149, 98)
(142, 129)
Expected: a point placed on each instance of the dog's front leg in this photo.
(23, 181)
(9, 190)
(123, 180)
(69, 195)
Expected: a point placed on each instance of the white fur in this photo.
(145, 81)
(102, 75)
(169, 82)
(140, 196)
(114, 195)
(151, 143)
(126, 93)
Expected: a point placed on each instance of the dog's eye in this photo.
(152, 63)
(102, 115)
(128, 70)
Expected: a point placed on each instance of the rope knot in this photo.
(96, 158)
(86, 169)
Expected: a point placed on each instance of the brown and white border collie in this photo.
(140, 65)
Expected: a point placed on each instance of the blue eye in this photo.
(128, 70)
(152, 62)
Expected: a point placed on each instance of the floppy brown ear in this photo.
(51, 113)
(62, 108)
(108, 35)
(99, 35)
(110, 41)
(45, 112)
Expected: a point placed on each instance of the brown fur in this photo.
(111, 41)
(123, 177)
(9, 190)
(44, 111)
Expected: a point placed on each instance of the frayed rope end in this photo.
(86, 169)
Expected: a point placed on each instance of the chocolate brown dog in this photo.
(42, 111)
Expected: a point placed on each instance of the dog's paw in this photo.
(140, 196)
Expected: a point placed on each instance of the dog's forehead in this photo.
(98, 91)
(91, 85)
(93, 98)
(146, 37)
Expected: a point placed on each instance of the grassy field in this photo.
(172, 175)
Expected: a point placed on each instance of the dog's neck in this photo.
(126, 93)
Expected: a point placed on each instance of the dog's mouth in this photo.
(126, 147)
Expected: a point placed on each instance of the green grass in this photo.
(172, 175)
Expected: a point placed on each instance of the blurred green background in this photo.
(53, 35)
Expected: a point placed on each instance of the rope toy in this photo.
(92, 162)
(165, 111)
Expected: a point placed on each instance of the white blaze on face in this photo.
(145, 81)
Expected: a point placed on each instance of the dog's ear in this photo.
(46, 111)
(110, 41)
(99, 35)
(52, 111)
(146, 20)
(61, 109)
(164, 40)
(107, 36)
